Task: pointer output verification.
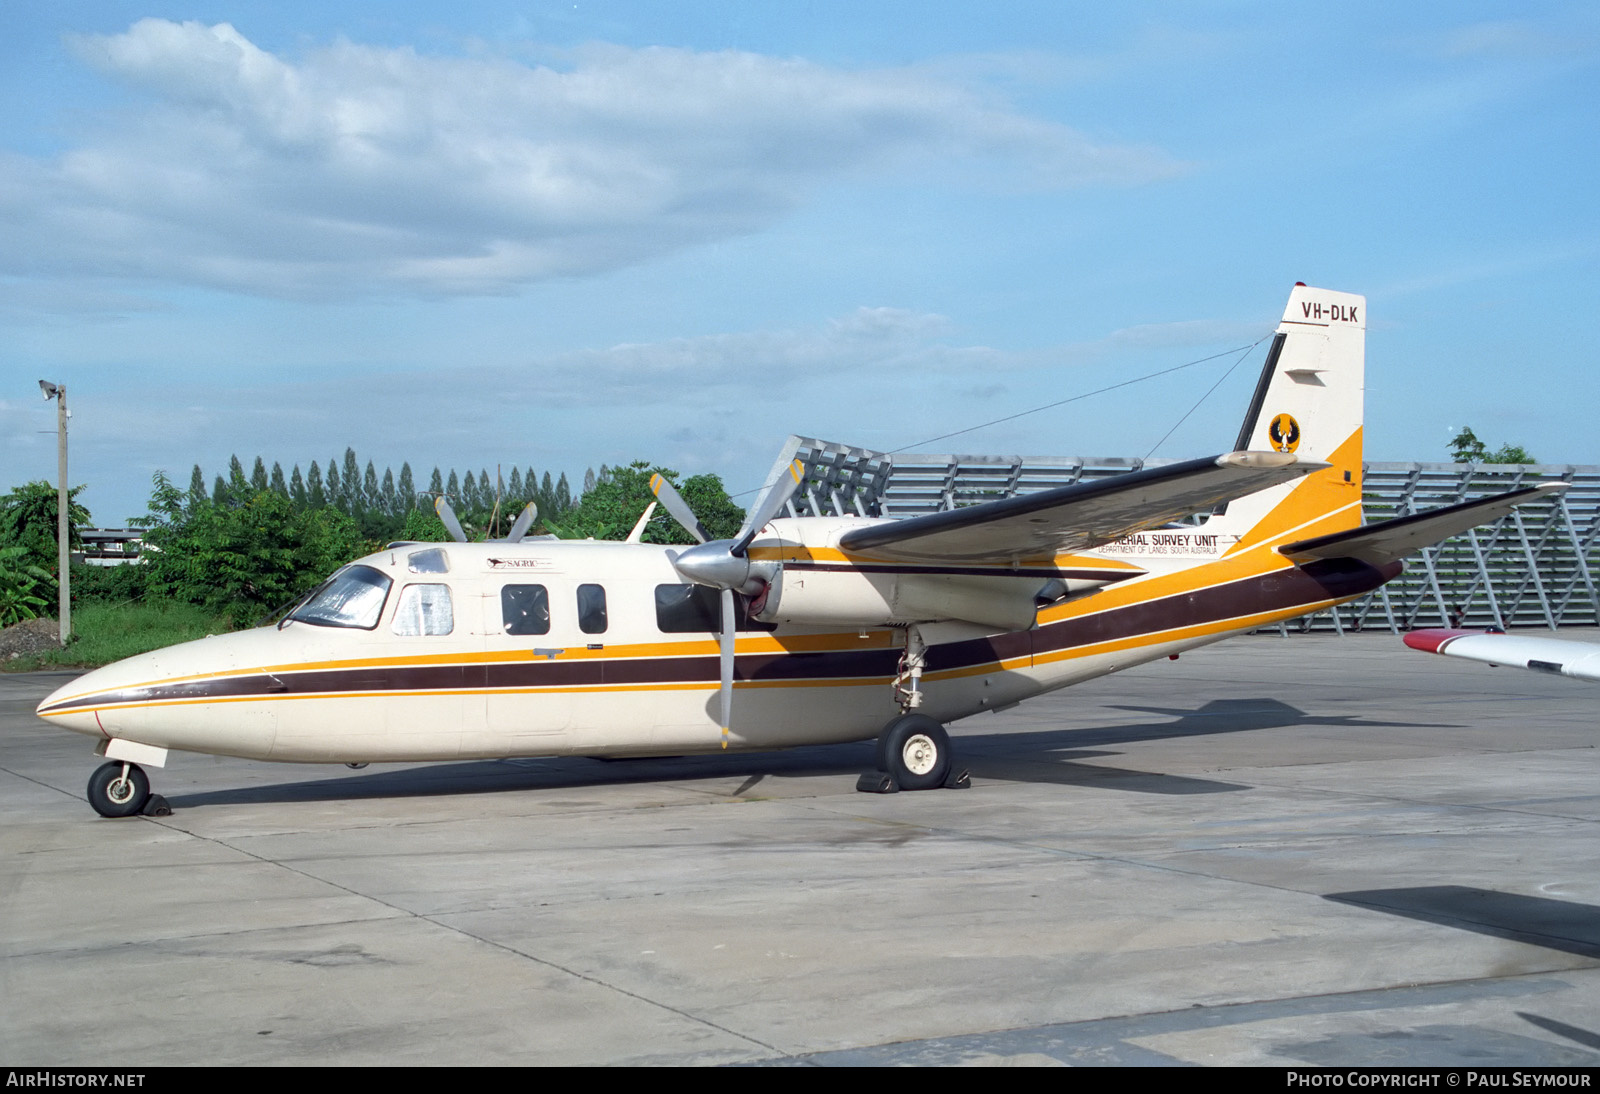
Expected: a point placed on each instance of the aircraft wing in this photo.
(1556, 655)
(1391, 540)
(1076, 517)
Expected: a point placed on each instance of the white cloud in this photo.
(357, 169)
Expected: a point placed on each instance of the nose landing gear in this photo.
(122, 789)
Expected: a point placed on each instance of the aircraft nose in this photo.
(70, 705)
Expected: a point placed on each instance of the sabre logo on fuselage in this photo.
(1338, 313)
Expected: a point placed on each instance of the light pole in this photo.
(58, 392)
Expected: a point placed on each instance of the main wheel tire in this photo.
(115, 794)
(915, 749)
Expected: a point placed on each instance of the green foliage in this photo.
(109, 584)
(28, 534)
(21, 584)
(1511, 453)
(28, 519)
(424, 526)
(1465, 447)
(246, 555)
(619, 497)
(103, 633)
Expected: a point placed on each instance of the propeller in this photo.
(441, 505)
(447, 515)
(725, 564)
(524, 521)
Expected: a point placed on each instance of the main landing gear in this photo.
(913, 750)
(121, 789)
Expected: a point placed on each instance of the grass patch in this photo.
(103, 633)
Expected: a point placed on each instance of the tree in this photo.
(1465, 447)
(197, 488)
(350, 477)
(247, 556)
(297, 488)
(258, 476)
(28, 517)
(405, 492)
(23, 584)
(316, 496)
(615, 504)
(1512, 453)
(276, 483)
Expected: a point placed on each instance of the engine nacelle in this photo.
(849, 598)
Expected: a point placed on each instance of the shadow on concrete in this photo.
(1041, 756)
(1587, 1037)
(1539, 921)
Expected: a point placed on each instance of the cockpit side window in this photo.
(424, 610)
(592, 609)
(352, 597)
(525, 609)
(431, 561)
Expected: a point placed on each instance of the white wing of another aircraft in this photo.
(1561, 656)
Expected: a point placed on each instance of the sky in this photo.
(563, 235)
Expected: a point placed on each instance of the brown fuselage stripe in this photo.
(1315, 583)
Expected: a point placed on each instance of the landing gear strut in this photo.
(913, 749)
(119, 789)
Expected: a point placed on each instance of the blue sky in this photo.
(560, 235)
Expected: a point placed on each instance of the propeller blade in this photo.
(668, 495)
(524, 521)
(441, 505)
(769, 506)
(729, 633)
(637, 535)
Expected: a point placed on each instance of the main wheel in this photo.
(118, 789)
(915, 749)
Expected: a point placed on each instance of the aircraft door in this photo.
(527, 698)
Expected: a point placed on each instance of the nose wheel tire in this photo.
(119, 789)
(915, 749)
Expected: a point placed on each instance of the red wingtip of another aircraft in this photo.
(1434, 640)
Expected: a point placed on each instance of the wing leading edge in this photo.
(1077, 517)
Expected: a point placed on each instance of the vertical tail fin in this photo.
(1309, 402)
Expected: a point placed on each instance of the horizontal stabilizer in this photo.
(1077, 517)
(1392, 540)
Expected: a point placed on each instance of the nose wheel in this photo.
(119, 789)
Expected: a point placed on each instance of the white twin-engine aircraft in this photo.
(800, 630)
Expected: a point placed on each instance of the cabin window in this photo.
(696, 609)
(424, 609)
(526, 609)
(592, 609)
(352, 597)
(431, 561)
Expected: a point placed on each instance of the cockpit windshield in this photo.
(353, 597)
